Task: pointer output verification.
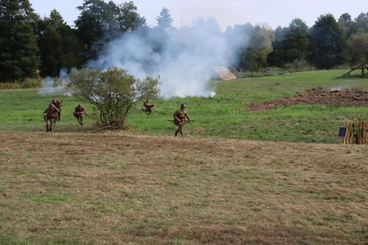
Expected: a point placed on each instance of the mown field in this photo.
(101, 188)
(226, 115)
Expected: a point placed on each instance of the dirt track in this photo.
(346, 97)
(116, 189)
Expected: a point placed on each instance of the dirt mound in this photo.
(319, 95)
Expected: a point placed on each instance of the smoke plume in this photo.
(56, 86)
(183, 58)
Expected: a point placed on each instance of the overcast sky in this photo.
(226, 12)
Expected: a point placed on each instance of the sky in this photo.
(272, 13)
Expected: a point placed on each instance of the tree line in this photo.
(328, 43)
(31, 46)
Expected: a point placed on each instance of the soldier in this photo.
(51, 108)
(57, 105)
(79, 113)
(179, 119)
(147, 107)
(50, 115)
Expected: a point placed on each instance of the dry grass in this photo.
(116, 189)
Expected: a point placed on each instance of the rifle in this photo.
(185, 122)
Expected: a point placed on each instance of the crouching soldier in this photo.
(79, 113)
(147, 107)
(180, 117)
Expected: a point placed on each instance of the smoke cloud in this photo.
(183, 58)
(56, 86)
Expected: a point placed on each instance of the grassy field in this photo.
(225, 115)
(143, 186)
(70, 188)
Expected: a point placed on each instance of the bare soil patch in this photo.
(319, 95)
(72, 188)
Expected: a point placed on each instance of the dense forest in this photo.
(31, 46)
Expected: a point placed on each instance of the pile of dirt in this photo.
(319, 95)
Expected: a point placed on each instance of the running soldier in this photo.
(147, 107)
(180, 117)
(57, 104)
(79, 113)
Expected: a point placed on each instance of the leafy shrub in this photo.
(26, 83)
(299, 65)
(268, 71)
(113, 93)
(9, 86)
(31, 83)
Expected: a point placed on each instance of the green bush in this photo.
(299, 65)
(268, 71)
(113, 93)
(26, 83)
(10, 86)
(31, 83)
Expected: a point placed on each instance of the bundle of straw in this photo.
(356, 132)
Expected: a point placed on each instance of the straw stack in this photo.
(356, 132)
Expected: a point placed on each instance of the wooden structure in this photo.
(361, 67)
(356, 132)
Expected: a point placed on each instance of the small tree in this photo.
(164, 20)
(358, 48)
(113, 93)
(327, 43)
(19, 54)
(259, 47)
(100, 22)
(58, 44)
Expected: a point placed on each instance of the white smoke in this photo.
(183, 58)
(56, 86)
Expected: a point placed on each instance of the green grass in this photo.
(23, 109)
(225, 115)
(51, 199)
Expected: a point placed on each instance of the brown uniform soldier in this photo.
(79, 113)
(57, 104)
(179, 119)
(147, 107)
(49, 110)
(50, 115)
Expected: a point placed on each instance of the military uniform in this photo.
(79, 113)
(179, 119)
(147, 107)
(57, 105)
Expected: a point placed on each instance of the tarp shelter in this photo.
(224, 73)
